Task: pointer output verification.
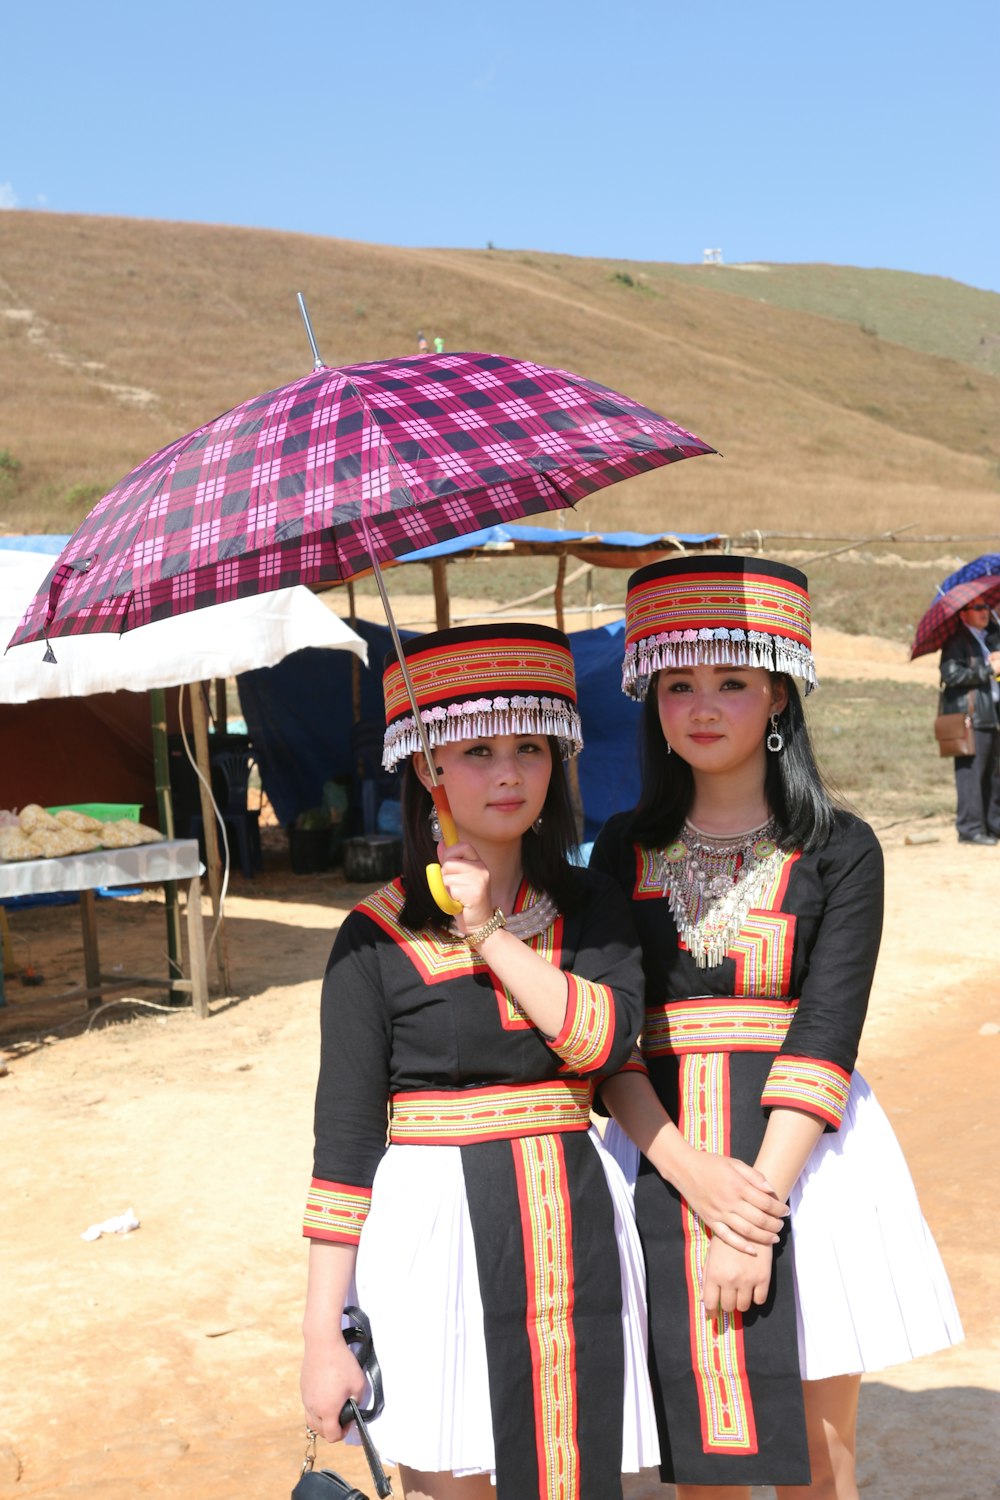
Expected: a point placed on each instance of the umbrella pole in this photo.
(165, 812)
(449, 832)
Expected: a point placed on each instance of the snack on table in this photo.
(124, 834)
(64, 841)
(33, 816)
(15, 844)
(83, 821)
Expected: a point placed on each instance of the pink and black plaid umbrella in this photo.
(312, 482)
(941, 620)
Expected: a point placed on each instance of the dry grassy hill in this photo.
(117, 335)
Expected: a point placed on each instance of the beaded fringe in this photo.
(483, 717)
(714, 647)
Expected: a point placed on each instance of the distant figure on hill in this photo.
(422, 346)
(438, 344)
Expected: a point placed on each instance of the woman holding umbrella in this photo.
(970, 667)
(479, 1240)
(758, 902)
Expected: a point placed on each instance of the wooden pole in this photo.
(442, 605)
(560, 592)
(165, 815)
(199, 719)
(221, 706)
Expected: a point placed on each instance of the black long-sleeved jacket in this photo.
(964, 667)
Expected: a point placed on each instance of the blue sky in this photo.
(861, 134)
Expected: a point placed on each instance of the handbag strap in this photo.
(382, 1484)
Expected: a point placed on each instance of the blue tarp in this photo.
(299, 717)
(52, 545)
(494, 536)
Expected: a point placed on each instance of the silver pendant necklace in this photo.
(711, 883)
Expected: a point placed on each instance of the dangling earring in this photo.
(432, 818)
(667, 743)
(775, 742)
(536, 826)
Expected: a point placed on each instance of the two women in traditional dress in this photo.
(492, 1242)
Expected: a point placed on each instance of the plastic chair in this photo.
(242, 822)
(374, 783)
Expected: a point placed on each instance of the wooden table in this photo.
(146, 864)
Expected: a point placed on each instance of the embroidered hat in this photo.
(737, 611)
(479, 680)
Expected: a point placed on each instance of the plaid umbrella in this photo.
(313, 482)
(941, 620)
(989, 562)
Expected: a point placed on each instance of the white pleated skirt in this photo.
(870, 1287)
(418, 1281)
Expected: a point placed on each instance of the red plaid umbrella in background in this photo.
(338, 472)
(941, 620)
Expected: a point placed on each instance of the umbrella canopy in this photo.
(979, 567)
(217, 642)
(941, 620)
(311, 482)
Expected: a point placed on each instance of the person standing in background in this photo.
(970, 662)
(422, 346)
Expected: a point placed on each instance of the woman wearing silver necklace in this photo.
(492, 1239)
(785, 1248)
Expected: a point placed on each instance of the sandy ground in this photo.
(165, 1362)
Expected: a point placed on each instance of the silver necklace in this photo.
(534, 919)
(712, 882)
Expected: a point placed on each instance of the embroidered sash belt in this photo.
(461, 1117)
(725, 1024)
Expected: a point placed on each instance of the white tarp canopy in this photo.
(219, 641)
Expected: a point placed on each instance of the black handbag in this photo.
(325, 1484)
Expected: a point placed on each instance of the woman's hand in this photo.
(468, 880)
(732, 1281)
(734, 1200)
(330, 1374)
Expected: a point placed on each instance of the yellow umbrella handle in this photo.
(435, 880)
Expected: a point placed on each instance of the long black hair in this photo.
(544, 855)
(802, 805)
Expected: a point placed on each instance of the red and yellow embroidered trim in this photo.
(336, 1211)
(547, 1228)
(716, 1025)
(584, 1043)
(819, 1088)
(636, 1062)
(762, 951)
(547, 944)
(648, 875)
(460, 1117)
(460, 670)
(717, 1346)
(436, 958)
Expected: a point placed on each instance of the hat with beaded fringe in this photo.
(482, 680)
(725, 611)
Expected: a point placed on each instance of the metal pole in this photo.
(317, 362)
(438, 794)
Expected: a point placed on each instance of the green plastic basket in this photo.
(105, 812)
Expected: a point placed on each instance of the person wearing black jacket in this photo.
(970, 663)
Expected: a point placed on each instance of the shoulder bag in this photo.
(954, 733)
